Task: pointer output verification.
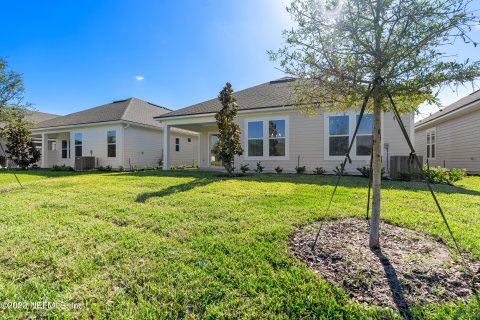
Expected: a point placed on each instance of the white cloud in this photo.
(139, 78)
(477, 27)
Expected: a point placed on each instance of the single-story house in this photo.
(32, 116)
(451, 137)
(276, 133)
(121, 133)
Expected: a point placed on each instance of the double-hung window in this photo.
(276, 138)
(431, 143)
(177, 144)
(78, 144)
(111, 144)
(267, 138)
(65, 149)
(364, 135)
(339, 135)
(339, 130)
(255, 139)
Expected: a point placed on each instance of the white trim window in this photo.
(111, 143)
(177, 144)
(65, 149)
(339, 130)
(78, 144)
(267, 138)
(432, 143)
(338, 135)
(363, 141)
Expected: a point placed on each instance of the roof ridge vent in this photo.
(159, 106)
(474, 92)
(282, 80)
(118, 101)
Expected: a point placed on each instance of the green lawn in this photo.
(187, 244)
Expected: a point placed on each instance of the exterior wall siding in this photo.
(457, 142)
(307, 140)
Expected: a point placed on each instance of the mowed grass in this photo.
(187, 244)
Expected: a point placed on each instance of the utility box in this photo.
(403, 164)
(84, 163)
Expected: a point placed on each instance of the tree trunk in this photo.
(376, 172)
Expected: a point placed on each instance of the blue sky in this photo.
(80, 54)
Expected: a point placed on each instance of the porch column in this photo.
(44, 156)
(166, 146)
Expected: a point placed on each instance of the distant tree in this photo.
(228, 144)
(338, 47)
(20, 147)
(12, 103)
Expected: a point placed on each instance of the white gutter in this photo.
(94, 124)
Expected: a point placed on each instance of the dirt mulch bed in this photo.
(410, 268)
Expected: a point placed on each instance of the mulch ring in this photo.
(411, 267)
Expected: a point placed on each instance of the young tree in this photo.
(228, 144)
(20, 146)
(339, 47)
(11, 93)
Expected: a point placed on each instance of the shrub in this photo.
(443, 175)
(340, 171)
(278, 169)
(403, 176)
(121, 168)
(365, 171)
(62, 168)
(319, 171)
(300, 170)
(259, 168)
(244, 168)
(106, 168)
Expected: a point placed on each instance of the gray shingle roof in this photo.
(132, 109)
(474, 97)
(275, 93)
(36, 116)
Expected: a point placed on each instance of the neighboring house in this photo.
(121, 133)
(276, 133)
(32, 116)
(451, 137)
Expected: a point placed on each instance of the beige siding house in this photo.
(121, 133)
(451, 137)
(277, 134)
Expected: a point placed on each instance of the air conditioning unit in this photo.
(403, 164)
(84, 163)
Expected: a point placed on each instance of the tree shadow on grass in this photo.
(394, 284)
(327, 180)
(173, 189)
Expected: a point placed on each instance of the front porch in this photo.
(207, 137)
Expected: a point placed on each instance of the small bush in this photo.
(278, 169)
(404, 176)
(319, 171)
(244, 168)
(340, 171)
(62, 168)
(443, 175)
(259, 168)
(104, 169)
(365, 171)
(121, 169)
(300, 170)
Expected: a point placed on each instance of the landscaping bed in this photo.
(411, 267)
